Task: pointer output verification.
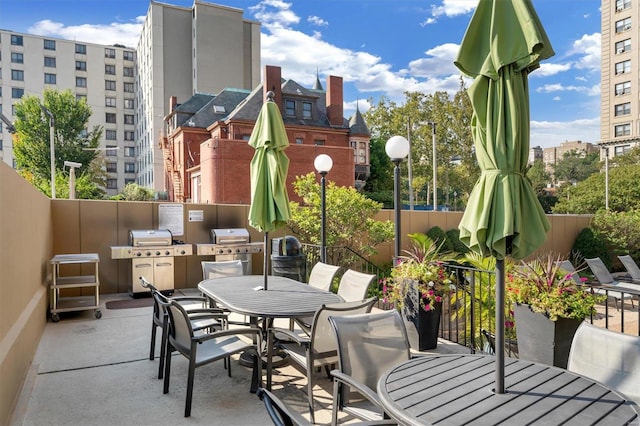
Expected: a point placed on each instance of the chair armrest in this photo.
(301, 340)
(200, 311)
(189, 299)
(234, 332)
(363, 390)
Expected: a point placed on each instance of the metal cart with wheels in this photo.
(61, 303)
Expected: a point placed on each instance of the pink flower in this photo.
(427, 307)
(438, 299)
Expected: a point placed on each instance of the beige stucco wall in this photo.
(25, 250)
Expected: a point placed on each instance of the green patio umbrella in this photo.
(269, 166)
(504, 42)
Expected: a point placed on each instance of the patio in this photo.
(97, 372)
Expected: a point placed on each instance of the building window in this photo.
(623, 88)
(110, 69)
(129, 167)
(129, 135)
(81, 49)
(17, 75)
(129, 151)
(112, 167)
(623, 25)
(17, 58)
(621, 150)
(299, 141)
(128, 104)
(290, 108)
(109, 53)
(127, 55)
(16, 40)
(112, 183)
(318, 142)
(110, 102)
(128, 87)
(81, 82)
(81, 66)
(49, 62)
(111, 151)
(623, 109)
(622, 130)
(306, 110)
(49, 78)
(110, 135)
(110, 117)
(128, 119)
(127, 71)
(109, 85)
(49, 44)
(623, 67)
(623, 46)
(622, 5)
(80, 97)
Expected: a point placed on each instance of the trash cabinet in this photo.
(287, 259)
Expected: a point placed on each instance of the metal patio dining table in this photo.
(285, 298)
(459, 389)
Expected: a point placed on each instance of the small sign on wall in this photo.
(171, 217)
(196, 215)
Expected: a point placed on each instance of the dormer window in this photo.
(290, 108)
(306, 110)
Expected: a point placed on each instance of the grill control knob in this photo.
(167, 253)
(138, 254)
(148, 253)
(157, 253)
(229, 251)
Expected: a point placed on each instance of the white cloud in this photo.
(126, 33)
(316, 20)
(439, 62)
(274, 14)
(588, 47)
(454, 7)
(553, 133)
(547, 69)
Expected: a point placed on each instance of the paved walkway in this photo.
(98, 372)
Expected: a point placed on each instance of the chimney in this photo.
(272, 81)
(335, 107)
(173, 102)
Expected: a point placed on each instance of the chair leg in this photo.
(167, 368)
(192, 370)
(336, 403)
(312, 412)
(256, 378)
(152, 350)
(163, 347)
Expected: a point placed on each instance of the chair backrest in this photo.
(631, 266)
(158, 311)
(370, 344)
(609, 357)
(323, 341)
(567, 266)
(221, 269)
(600, 270)
(180, 330)
(280, 414)
(322, 275)
(354, 285)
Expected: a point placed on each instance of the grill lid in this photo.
(230, 236)
(150, 237)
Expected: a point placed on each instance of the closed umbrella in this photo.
(269, 166)
(504, 42)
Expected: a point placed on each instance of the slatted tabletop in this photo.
(285, 298)
(458, 390)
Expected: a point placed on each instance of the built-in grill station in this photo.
(151, 252)
(231, 244)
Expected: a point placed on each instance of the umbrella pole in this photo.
(499, 326)
(265, 264)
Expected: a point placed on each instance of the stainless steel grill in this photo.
(151, 253)
(231, 244)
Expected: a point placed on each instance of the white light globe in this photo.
(323, 163)
(397, 147)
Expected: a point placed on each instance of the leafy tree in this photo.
(32, 143)
(575, 166)
(539, 178)
(379, 186)
(349, 219)
(620, 230)
(134, 192)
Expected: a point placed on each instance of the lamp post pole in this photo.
(409, 166)
(51, 149)
(323, 164)
(435, 166)
(397, 149)
(606, 178)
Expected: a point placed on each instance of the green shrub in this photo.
(589, 244)
(453, 236)
(440, 238)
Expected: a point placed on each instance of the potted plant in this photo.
(548, 307)
(417, 286)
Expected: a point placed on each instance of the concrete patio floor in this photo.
(97, 372)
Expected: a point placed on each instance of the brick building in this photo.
(207, 157)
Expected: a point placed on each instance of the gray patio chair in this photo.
(609, 357)
(631, 266)
(317, 349)
(354, 285)
(160, 318)
(605, 278)
(221, 269)
(368, 346)
(206, 348)
(321, 277)
(280, 414)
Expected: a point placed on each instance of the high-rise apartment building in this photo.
(181, 51)
(620, 88)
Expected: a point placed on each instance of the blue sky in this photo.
(379, 47)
